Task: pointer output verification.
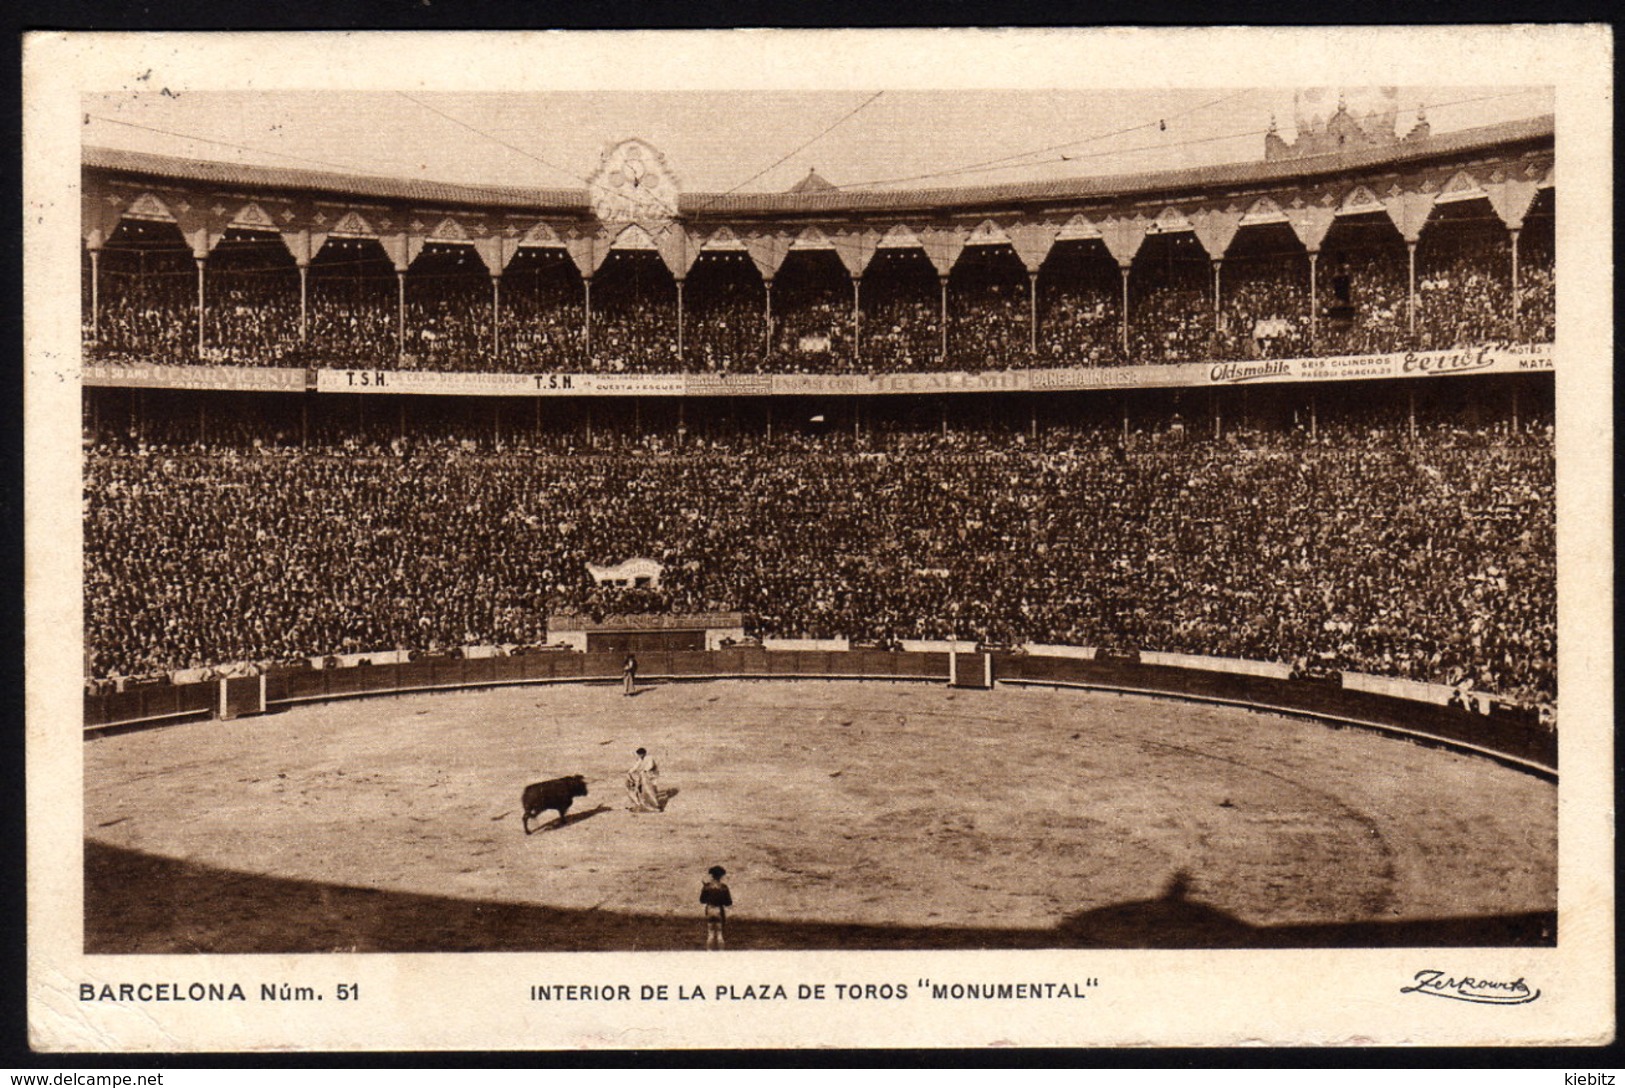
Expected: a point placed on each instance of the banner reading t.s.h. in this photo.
(445, 383)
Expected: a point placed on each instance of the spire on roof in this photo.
(812, 183)
(1421, 130)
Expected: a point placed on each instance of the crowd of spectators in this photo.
(1264, 310)
(253, 319)
(725, 327)
(1463, 297)
(1537, 304)
(1171, 314)
(1431, 558)
(1081, 316)
(146, 315)
(541, 318)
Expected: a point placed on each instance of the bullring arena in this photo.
(849, 814)
(1234, 481)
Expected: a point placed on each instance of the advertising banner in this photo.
(148, 376)
(870, 384)
(566, 621)
(440, 383)
(1490, 359)
(1153, 376)
(1487, 359)
(728, 385)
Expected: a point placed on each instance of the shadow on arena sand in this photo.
(139, 903)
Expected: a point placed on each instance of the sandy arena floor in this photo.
(847, 815)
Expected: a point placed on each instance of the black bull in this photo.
(555, 793)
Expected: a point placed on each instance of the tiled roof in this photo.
(355, 185)
(838, 201)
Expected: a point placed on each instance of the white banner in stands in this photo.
(834, 644)
(446, 383)
(1041, 649)
(376, 657)
(1414, 690)
(724, 638)
(1217, 664)
(638, 571)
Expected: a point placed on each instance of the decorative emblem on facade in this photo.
(723, 238)
(351, 224)
(253, 217)
(148, 206)
(633, 183)
(541, 235)
(449, 230)
(987, 233)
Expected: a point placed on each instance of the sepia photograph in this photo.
(973, 545)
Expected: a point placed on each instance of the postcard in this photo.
(780, 539)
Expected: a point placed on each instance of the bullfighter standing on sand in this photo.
(642, 786)
(717, 899)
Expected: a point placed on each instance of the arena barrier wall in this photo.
(142, 704)
(1515, 739)
(1530, 746)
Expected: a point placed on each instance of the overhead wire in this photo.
(573, 175)
(845, 117)
(995, 165)
(1007, 162)
(223, 143)
(590, 183)
(1160, 121)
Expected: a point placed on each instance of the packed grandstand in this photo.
(1121, 489)
(1067, 314)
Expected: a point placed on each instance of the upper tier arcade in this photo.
(1439, 242)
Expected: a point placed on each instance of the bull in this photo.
(555, 793)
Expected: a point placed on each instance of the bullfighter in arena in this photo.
(717, 899)
(642, 783)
